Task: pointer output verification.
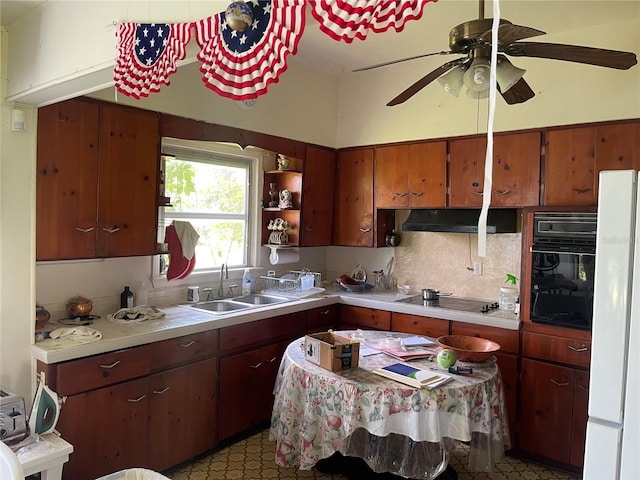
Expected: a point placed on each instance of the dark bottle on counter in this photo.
(126, 298)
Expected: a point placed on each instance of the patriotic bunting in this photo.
(147, 55)
(242, 64)
(349, 19)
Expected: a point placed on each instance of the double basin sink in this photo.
(240, 303)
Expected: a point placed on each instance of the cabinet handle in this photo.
(256, 366)
(365, 230)
(581, 190)
(417, 194)
(307, 228)
(111, 230)
(160, 392)
(85, 230)
(560, 384)
(188, 344)
(110, 366)
(578, 349)
(272, 360)
(583, 387)
(326, 312)
(502, 192)
(478, 192)
(403, 194)
(135, 400)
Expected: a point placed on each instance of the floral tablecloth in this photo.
(356, 412)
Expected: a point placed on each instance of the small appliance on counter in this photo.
(13, 419)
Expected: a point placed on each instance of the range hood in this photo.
(499, 220)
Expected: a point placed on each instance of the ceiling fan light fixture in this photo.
(507, 75)
(452, 80)
(478, 76)
(477, 94)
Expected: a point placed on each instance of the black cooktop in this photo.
(454, 303)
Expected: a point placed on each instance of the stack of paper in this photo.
(414, 377)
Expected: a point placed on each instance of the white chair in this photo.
(10, 467)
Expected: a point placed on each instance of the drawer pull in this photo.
(188, 344)
(584, 387)
(365, 230)
(502, 192)
(559, 384)
(475, 192)
(399, 195)
(256, 366)
(84, 230)
(417, 194)
(326, 312)
(136, 400)
(110, 366)
(272, 360)
(111, 230)
(578, 349)
(160, 392)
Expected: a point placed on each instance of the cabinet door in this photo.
(108, 429)
(411, 175)
(546, 410)
(353, 221)
(579, 417)
(516, 170)
(321, 319)
(431, 327)
(128, 183)
(318, 183)
(362, 317)
(246, 389)
(66, 180)
(617, 148)
(508, 365)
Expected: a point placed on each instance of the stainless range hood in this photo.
(499, 220)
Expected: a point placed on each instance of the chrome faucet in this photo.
(224, 274)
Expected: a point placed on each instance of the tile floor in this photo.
(253, 459)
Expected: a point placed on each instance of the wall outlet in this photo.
(477, 268)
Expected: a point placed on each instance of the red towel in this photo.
(179, 265)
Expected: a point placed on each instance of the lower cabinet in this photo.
(431, 327)
(321, 319)
(353, 318)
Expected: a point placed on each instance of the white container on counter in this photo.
(508, 298)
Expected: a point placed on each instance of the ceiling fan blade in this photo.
(508, 33)
(424, 81)
(401, 60)
(519, 93)
(573, 53)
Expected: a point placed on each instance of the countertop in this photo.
(182, 320)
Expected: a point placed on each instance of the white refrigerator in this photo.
(612, 448)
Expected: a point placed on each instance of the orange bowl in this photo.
(469, 349)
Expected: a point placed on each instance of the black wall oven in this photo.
(562, 268)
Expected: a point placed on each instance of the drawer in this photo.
(556, 349)
(431, 327)
(509, 340)
(261, 332)
(90, 373)
(362, 317)
(322, 317)
(186, 349)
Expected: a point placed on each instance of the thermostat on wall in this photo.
(18, 120)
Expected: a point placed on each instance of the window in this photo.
(209, 185)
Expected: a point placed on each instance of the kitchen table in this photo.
(393, 427)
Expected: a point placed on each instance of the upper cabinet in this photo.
(575, 157)
(97, 181)
(411, 175)
(516, 170)
(282, 191)
(318, 184)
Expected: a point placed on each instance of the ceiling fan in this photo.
(473, 40)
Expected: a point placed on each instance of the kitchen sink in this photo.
(261, 299)
(220, 306)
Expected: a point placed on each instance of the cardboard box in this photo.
(331, 351)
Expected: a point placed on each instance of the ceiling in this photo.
(430, 33)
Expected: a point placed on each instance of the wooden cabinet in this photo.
(431, 327)
(275, 181)
(554, 398)
(251, 355)
(507, 358)
(119, 414)
(352, 318)
(97, 181)
(318, 182)
(411, 175)
(516, 170)
(575, 157)
(321, 319)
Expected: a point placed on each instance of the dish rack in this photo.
(291, 284)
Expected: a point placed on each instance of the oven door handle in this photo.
(558, 252)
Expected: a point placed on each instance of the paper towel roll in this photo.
(280, 256)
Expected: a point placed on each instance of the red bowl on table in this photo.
(469, 349)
